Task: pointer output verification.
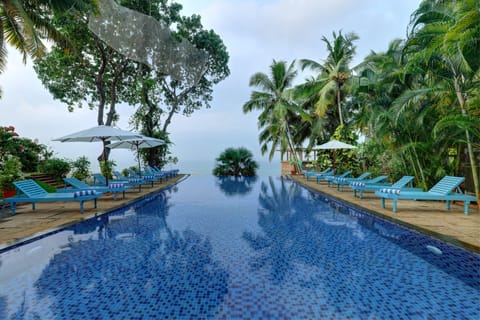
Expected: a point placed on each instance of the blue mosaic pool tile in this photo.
(171, 257)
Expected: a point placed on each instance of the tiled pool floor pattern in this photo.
(276, 253)
(431, 217)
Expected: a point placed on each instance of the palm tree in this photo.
(235, 162)
(279, 113)
(444, 40)
(333, 73)
(24, 23)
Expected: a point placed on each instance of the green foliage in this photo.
(159, 97)
(93, 76)
(279, 115)
(106, 168)
(235, 162)
(346, 159)
(46, 186)
(57, 168)
(11, 171)
(27, 151)
(156, 156)
(81, 168)
(26, 23)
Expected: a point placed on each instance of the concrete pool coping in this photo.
(428, 217)
(27, 224)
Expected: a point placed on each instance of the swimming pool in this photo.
(211, 248)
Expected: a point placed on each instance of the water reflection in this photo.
(124, 265)
(294, 234)
(279, 217)
(232, 186)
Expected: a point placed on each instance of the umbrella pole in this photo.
(105, 162)
(334, 161)
(138, 160)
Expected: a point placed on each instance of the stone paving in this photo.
(430, 217)
(28, 223)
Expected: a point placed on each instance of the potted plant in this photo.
(294, 164)
(12, 171)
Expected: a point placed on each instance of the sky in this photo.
(255, 32)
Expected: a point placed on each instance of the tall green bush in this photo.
(28, 152)
(11, 170)
(107, 168)
(57, 168)
(81, 168)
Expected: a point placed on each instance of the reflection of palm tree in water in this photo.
(294, 230)
(306, 243)
(234, 185)
(282, 214)
(162, 273)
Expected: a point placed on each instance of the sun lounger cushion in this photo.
(390, 191)
(82, 193)
(117, 185)
(357, 184)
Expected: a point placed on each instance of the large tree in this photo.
(161, 96)
(101, 77)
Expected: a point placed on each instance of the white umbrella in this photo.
(136, 144)
(335, 144)
(100, 133)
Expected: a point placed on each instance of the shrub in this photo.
(81, 168)
(107, 168)
(11, 171)
(29, 152)
(57, 168)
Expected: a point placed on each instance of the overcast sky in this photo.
(255, 32)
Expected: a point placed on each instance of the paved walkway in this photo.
(428, 217)
(28, 223)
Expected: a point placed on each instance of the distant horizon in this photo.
(205, 167)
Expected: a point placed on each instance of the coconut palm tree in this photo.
(333, 74)
(25, 23)
(443, 40)
(278, 111)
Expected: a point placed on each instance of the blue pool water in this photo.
(222, 249)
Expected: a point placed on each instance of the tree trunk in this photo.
(473, 162)
(291, 146)
(339, 101)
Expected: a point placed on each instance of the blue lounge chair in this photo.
(30, 191)
(113, 187)
(160, 175)
(328, 178)
(170, 173)
(443, 190)
(99, 179)
(316, 174)
(146, 178)
(341, 182)
(404, 183)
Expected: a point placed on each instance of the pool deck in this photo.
(47, 217)
(430, 217)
